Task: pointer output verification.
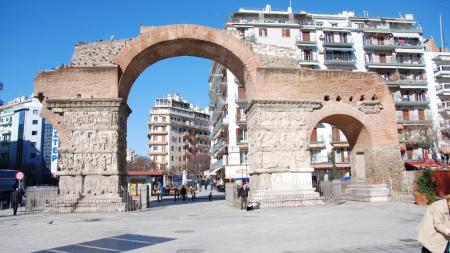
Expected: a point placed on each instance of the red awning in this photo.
(423, 163)
(145, 173)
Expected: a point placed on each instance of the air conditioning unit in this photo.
(321, 36)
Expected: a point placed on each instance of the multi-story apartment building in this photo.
(229, 146)
(438, 77)
(178, 136)
(391, 47)
(26, 140)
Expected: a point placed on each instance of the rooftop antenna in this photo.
(442, 34)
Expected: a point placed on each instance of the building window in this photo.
(244, 154)
(155, 148)
(171, 158)
(35, 112)
(179, 149)
(35, 122)
(329, 37)
(33, 132)
(262, 32)
(172, 148)
(286, 32)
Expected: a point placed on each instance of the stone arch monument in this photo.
(86, 101)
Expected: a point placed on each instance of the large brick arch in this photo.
(86, 100)
(355, 125)
(158, 43)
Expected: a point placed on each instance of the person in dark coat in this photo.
(15, 200)
(243, 194)
(183, 192)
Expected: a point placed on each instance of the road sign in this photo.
(19, 175)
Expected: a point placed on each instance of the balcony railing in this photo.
(306, 42)
(402, 61)
(379, 45)
(412, 29)
(216, 147)
(218, 164)
(316, 159)
(340, 59)
(348, 42)
(442, 71)
(407, 81)
(308, 59)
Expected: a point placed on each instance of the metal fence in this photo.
(332, 191)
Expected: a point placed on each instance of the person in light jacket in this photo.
(433, 232)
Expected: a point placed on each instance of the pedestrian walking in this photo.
(433, 232)
(243, 194)
(15, 200)
(183, 192)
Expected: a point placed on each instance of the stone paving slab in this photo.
(214, 226)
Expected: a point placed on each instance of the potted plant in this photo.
(425, 189)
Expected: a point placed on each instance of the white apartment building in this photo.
(26, 140)
(178, 136)
(438, 77)
(391, 47)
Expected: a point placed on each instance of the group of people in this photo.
(179, 192)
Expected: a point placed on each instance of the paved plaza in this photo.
(204, 226)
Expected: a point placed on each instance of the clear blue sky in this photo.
(37, 35)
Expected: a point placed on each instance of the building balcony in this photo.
(306, 43)
(388, 29)
(218, 148)
(308, 60)
(342, 43)
(408, 62)
(241, 120)
(442, 71)
(320, 159)
(393, 63)
(336, 60)
(202, 136)
(317, 144)
(158, 123)
(444, 109)
(443, 90)
(220, 124)
(412, 84)
(408, 45)
(157, 152)
(153, 132)
(414, 122)
(340, 143)
(218, 164)
(386, 45)
(156, 143)
(412, 103)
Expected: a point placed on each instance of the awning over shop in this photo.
(345, 49)
(423, 163)
(145, 173)
(406, 35)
